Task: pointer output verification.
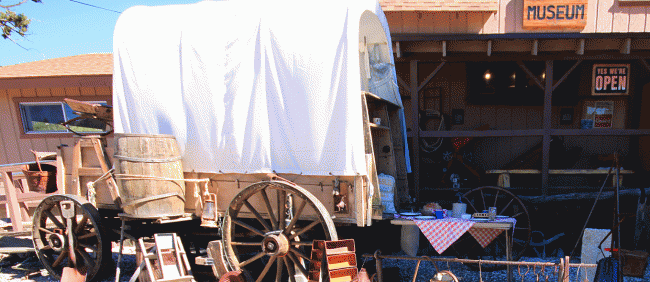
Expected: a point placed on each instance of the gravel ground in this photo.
(26, 267)
(403, 271)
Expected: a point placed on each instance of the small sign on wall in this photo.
(555, 14)
(610, 79)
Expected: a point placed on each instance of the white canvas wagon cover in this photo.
(247, 86)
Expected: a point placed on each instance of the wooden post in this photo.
(546, 126)
(12, 202)
(415, 127)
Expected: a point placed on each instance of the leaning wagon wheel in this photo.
(274, 240)
(507, 204)
(50, 229)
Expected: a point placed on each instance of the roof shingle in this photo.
(79, 65)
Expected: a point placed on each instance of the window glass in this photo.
(46, 117)
(42, 117)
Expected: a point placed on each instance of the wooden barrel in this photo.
(149, 175)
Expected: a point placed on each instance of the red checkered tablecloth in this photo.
(441, 233)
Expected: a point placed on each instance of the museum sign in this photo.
(555, 14)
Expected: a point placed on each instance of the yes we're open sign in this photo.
(610, 79)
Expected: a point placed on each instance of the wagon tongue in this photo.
(70, 273)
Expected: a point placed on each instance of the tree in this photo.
(14, 23)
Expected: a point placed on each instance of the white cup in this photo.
(458, 209)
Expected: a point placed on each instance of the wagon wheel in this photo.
(507, 204)
(93, 249)
(269, 241)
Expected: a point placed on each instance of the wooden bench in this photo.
(15, 198)
(504, 174)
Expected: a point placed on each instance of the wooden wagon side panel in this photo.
(227, 186)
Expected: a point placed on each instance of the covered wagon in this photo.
(271, 120)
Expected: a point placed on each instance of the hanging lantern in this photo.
(209, 216)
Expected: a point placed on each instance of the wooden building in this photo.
(487, 85)
(473, 77)
(31, 103)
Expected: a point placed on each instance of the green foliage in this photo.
(39, 126)
(14, 23)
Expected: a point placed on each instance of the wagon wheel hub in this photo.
(275, 243)
(56, 241)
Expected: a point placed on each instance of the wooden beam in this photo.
(531, 74)
(533, 132)
(647, 66)
(415, 127)
(546, 126)
(566, 74)
(444, 48)
(398, 50)
(489, 48)
(481, 133)
(581, 47)
(627, 46)
(402, 83)
(426, 80)
(535, 47)
(523, 56)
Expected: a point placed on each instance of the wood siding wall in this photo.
(14, 146)
(602, 16)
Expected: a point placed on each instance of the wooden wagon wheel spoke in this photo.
(302, 243)
(483, 199)
(246, 243)
(282, 205)
(92, 245)
(298, 215)
(46, 230)
(54, 219)
(278, 273)
(258, 216)
(299, 253)
(269, 209)
(85, 246)
(298, 265)
(292, 271)
(251, 228)
(506, 207)
(509, 205)
(81, 224)
(518, 214)
(88, 261)
(289, 227)
(86, 236)
(307, 228)
(266, 269)
(256, 257)
(60, 259)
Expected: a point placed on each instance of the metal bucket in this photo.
(149, 175)
(40, 179)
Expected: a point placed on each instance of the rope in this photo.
(151, 177)
(146, 160)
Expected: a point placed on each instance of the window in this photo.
(46, 117)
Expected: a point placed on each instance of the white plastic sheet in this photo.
(246, 86)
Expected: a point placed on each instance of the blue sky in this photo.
(61, 28)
